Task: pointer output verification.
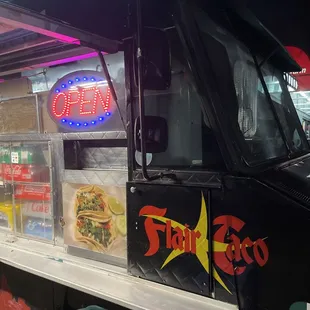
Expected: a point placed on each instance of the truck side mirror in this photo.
(156, 137)
(156, 60)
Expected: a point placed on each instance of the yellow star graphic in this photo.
(202, 245)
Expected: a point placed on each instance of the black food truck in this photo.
(160, 169)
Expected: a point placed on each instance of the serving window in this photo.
(63, 150)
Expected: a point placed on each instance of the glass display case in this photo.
(26, 185)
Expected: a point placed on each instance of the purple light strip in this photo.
(61, 37)
(66, 60)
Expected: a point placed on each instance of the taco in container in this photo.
(94, 225)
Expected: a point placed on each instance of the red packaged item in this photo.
(25, 173)
(30, 192)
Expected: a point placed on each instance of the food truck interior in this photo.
(145, 151)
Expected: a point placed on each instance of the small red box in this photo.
(33, 192)
(25, 173)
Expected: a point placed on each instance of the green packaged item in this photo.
(5, 155)
(22, 155)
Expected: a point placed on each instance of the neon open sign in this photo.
(80, 100)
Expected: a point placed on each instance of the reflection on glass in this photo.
(191, 141)
(282, 103)
(258, 124)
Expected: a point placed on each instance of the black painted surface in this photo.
(272, 279)
(183, 206)
(292, 179)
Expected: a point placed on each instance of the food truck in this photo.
(158, 170)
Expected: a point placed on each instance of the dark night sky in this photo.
(288, 20)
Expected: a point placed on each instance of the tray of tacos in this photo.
(100, 218)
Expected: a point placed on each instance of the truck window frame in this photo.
(133, 113)
(199, 51)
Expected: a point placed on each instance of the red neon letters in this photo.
(88, 100)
